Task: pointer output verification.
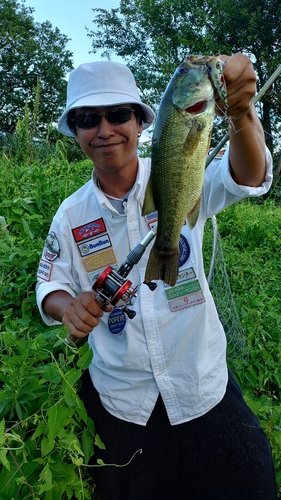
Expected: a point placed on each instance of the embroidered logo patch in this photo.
(88, 230)
(52, 247)
(187, 301)
(102, 259)
(184, 249)
(117, 321)
(151, 219)
(44, 270)
(94, 245)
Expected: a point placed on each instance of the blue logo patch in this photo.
(184, 249)
(116, 321)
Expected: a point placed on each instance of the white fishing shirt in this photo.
(166, 348)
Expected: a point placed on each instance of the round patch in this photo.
(116, 321)
(52, 247)
(184, 250)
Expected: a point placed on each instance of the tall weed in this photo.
(46, 437)
(252, 247)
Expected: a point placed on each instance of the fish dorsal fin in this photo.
(148, 204)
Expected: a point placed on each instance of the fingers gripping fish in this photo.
(180, 142)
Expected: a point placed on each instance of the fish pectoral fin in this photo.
(192, 217)
(209, 142)
(193, 137)
(148, 204)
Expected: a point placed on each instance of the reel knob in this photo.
(151, 285)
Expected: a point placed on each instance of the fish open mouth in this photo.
(199, 107)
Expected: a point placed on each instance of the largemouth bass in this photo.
(180, 142)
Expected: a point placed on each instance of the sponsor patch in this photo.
(98, 260)
(116, 321)
(44, 270)
(186, 274)
(52, 247)
(187, 301)
(184, 249)
(151, 219)
(94, 245)
(184, 289)
(88, 230)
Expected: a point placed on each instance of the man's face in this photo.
(111, 147)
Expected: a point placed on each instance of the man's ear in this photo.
(140, 129)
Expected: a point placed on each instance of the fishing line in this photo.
(230, 119)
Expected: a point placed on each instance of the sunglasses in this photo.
(92, 120)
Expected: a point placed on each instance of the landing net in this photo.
(218, 280)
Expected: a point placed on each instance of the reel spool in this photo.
(113, 288)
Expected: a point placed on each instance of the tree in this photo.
(253, 27)
(31, 54)
(153, 36)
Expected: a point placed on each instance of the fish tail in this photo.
(163, 266)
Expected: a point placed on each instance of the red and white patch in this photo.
(44, 270)
(89, 230)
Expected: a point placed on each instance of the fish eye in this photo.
(183, 71)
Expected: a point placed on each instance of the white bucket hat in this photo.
(102, 83)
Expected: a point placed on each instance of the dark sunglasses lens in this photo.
(120, 115)
(87, 120)
(91, 120)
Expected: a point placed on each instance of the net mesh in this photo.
(218, 280)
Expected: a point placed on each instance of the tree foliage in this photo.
(153, 36)
(31, 54)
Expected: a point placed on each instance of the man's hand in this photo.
(247, 144)
(80, 314)
(241, 87)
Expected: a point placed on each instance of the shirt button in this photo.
(159, 373)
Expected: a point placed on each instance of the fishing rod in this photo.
(256, 98)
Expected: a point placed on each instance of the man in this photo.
(158, 388)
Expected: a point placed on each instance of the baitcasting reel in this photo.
(112, 287)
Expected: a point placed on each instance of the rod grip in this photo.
(70, 340)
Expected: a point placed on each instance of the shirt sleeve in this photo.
(221, 191)
(60, 272)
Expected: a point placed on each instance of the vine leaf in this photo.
(56, 420)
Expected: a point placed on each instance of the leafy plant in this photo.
(251, 241)
(45, 433)
(46, 437)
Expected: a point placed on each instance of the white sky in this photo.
(71, 17)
